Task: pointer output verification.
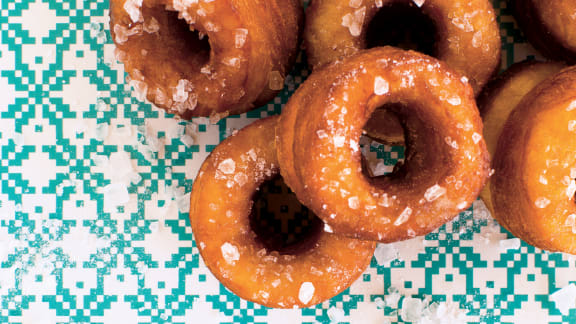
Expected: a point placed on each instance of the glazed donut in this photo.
(549, 25)
(466, 33)
(501, 96)
(535, 166)
(220, 209)
(446, 162)
(202, 58)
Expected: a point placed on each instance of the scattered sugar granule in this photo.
(230, 253)
(393, 297)
(565, 298)
(101, 131)
(336, 315)
(411, 309)
(115, 194)
(510, 244)
(385, 253)
(101, 105)
(306, 292)
(380, 304)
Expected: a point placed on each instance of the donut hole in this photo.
(402, 24)
(175, 45)
(281, 223)
(382, 144)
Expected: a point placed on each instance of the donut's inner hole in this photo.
(382, 143)
(402, 24)
(281, 223)
(175, 44)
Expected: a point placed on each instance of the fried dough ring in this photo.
(550, 26)
(468, 37)
(501, 96)
(535, 166)
(220, 209)
(446, 159)
(242, 64)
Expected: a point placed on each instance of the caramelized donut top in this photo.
(467, 36)
(446, 160)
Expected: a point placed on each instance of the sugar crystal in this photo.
(336, 315)
(354, 21)
(565, 298)
(434, 192)
(230, 253)
(510, 244)
(227, 166)
(306, 292)
(115, 194)
(419, 3)
(542, 202)
(355, 3)
(571, 222)
(133, 8)
(151, 26)
(411, 309)
(353, 202)
(240, 37)
(381, 86)
(404, 216)
(385, 253)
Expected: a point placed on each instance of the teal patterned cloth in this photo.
(75, 144)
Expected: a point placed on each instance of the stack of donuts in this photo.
(221, 57)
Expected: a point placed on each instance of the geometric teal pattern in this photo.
(94, 189)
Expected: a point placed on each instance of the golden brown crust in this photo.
(468, 34)
(321, 162)
(250, 49)
(533, 185)
(501, 96)
(221, 203)
(550, 26)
